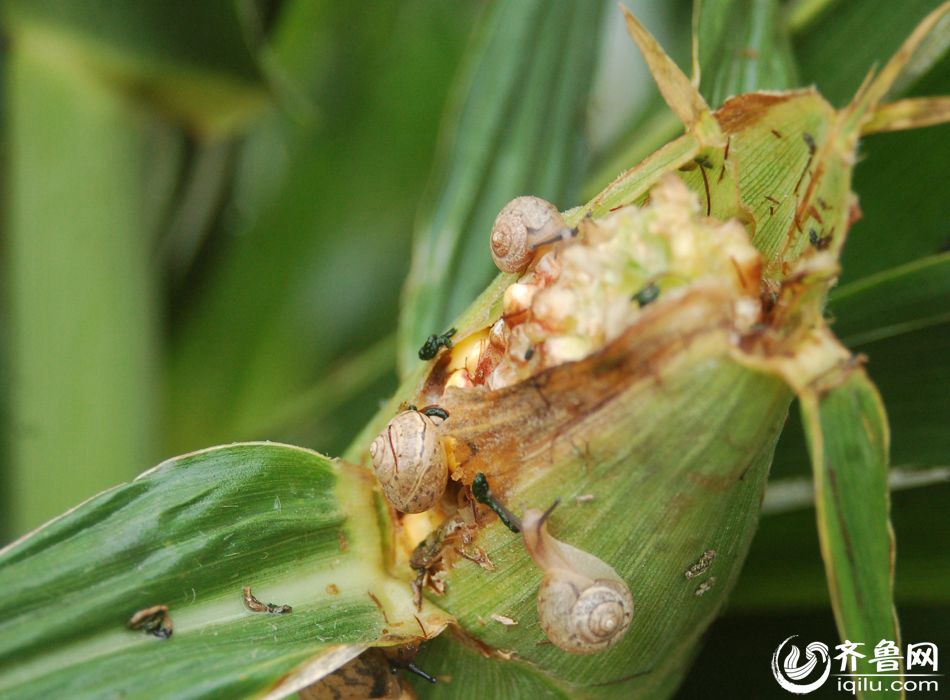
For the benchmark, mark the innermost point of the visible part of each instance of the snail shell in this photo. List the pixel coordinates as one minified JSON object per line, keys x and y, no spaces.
{"x":524,"y":224}
{"x":583,"y":605}
{"x":584,"y":620}
{"x":410,"y":463}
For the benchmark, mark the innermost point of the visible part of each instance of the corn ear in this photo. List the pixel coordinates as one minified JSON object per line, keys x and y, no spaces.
{"x":668,"y":463}
{"x":658,"y":440}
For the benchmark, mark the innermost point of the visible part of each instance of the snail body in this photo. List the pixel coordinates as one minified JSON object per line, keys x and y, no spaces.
{"x":584,"y":607}
{"x":409,"y":460}
{"x":525,"y":224}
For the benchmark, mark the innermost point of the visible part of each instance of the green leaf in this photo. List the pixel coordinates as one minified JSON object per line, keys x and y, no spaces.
{"x":517,"y":128}
{"x":882,"y":26}
{"x":743,"y":46}
{"x":312,"y":255}
{"x":848,"y":440}
{"x":192,"y":59}
{"x":899,"y":320}
{"x":912,"y":374}
{"x":190,"y":534}
{"x":81,"y":306}
{"x":783,"y":572}
{"x":901,"y":300}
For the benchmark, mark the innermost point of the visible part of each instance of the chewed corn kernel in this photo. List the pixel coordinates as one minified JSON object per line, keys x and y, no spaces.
{"x":518,"y":298}
{"x":588,"y":291}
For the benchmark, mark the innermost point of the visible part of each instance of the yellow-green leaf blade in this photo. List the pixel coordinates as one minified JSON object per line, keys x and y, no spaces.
{"x":848,"y":439}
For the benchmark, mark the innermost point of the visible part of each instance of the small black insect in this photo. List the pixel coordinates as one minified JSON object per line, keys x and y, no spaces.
{"x":483,"y":495}
{"x":434,"y":342}
{"x":430,"y":411}
{"x":809,"y":142}
{"x":819,"y":242}
{"x":647,"y":294}
{"x":412,"y":668}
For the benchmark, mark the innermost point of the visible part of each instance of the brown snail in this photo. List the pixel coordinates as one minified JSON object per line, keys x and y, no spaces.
{"x":409,"y":459}
{"x":525,"y":224}
{"x":583,"y":605}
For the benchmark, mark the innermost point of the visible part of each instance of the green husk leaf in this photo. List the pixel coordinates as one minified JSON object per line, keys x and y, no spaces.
{"x":678,"y":91}
{"x":517,"y":128}
{"x":190,"y":534}
{"x":911,"y":113}
{"x":924,"y":47}
{"x":652,"y":448}
{"x":848,"y":439}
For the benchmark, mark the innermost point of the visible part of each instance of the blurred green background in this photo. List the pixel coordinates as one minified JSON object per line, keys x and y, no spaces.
{"x":211,"y":209}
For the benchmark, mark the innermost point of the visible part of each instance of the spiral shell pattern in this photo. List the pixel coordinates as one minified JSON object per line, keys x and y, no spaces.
{"x":586,"y":620}
{"x":519,"y":228}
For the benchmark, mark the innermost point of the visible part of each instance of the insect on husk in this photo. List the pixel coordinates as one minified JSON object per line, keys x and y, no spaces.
{"x":430,"y":411}
{"x":483,"y":495}
{"x":434,"y":343}
{"x":155,"y":620}
{"x":254,"y":605}
{"x":700,"y":567}
{"x":648,"y":294}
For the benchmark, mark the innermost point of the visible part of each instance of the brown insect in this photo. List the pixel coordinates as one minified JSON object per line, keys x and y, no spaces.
{"x":155,"y":620}
{"x":254,"y":605}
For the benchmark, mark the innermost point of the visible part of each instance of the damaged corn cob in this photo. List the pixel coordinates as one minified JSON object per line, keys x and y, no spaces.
{"x":560,"y":498}
{"x":637,"y":362}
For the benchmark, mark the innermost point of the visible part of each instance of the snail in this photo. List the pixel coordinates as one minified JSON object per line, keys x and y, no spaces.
{"x":524,"y":225}
{"x":409,"y":459}
{"x":583,"y":605}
